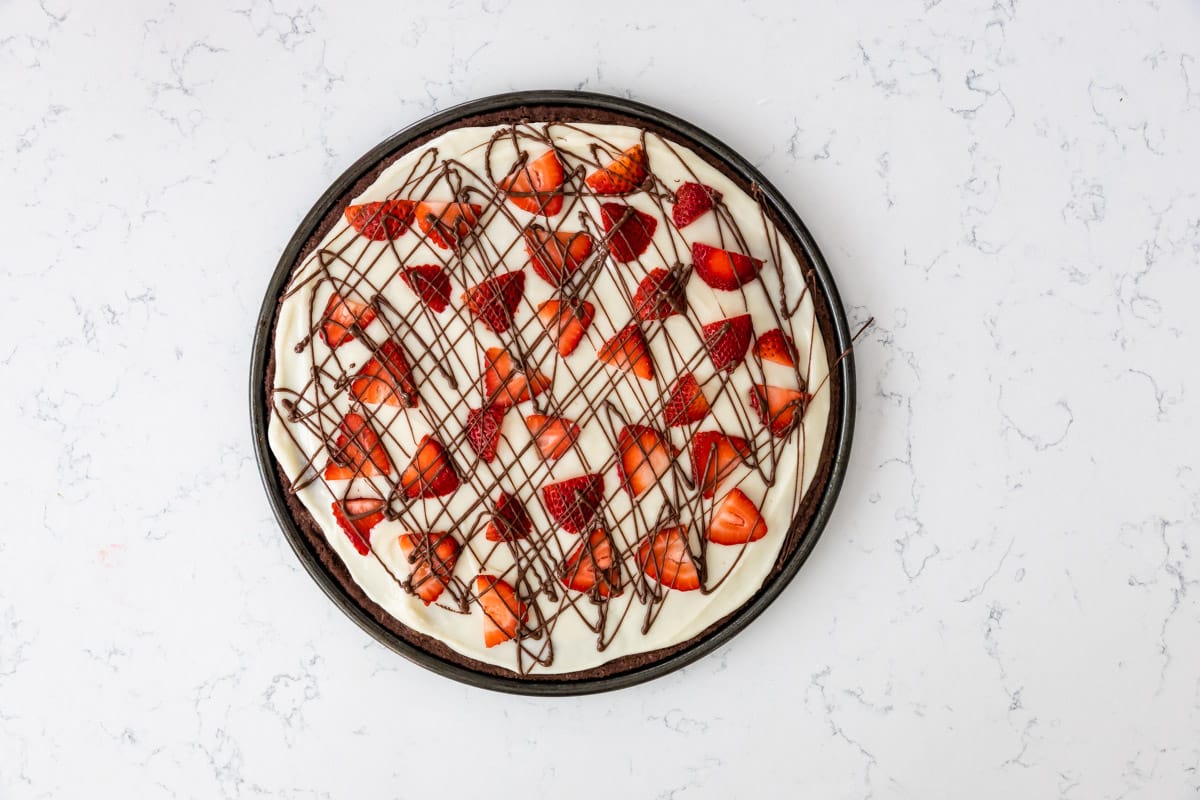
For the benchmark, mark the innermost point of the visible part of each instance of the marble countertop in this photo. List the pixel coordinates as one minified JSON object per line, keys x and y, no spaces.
{"x":1006,"y":602}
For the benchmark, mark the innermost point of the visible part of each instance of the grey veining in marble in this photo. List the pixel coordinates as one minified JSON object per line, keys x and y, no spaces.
{"x":1005,"y":603}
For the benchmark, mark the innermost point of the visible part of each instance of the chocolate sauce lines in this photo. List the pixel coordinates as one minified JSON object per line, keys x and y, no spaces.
{"x":623,"y":398}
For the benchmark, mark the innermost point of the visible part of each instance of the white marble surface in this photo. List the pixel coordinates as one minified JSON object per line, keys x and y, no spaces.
{"x":1005,"y":603}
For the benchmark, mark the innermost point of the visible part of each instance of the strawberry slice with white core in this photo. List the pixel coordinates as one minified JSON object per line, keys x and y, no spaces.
{"x":556,"y":255}
{"x":714,"y":458}
{"x":592,"y":567}
{"x":736,"y":520}
{"x":778,"y":408}
{"x":536,"y":186}
{"x":432,"y":557}
{"x":431,"y":472}
{"x":357,"y":452}
{"x":553,"y":436}
{"x":506,"y":384}
{"x":724,"y":269}
{"x":386,"y":379}
{"x":628,"y":352}
{"x":357,"y":516}
{"x":503,"y":613}
{"x":664,"y":556}
{"x":447,"y":225}
{"x":622,"y":175}
{"x":645,"y":456}
{"x":342,"y":314}
{"x":566,"y":321}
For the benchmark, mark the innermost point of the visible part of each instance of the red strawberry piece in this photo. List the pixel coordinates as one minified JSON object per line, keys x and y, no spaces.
{"x":727,"y":341}
{"x":503,"y":613}
{"x":556,"y":255}
{"x":386,"y":378}
{"x":510,"y":520}
{"x":573,"y":502}
{"x":686,"y":403}
{"x":659,"y":295}
{"x":592,"y":567}
{"x":724,"y":269}
{"x":381,"y":221}
{"x":736,"y":520}
{"x":714,"y":458}
{"x":447,"y":224}
{"x":508,"y":385}
{"x":431,"y":472}
{"x":665,"y":557}
{"x":566,"y":321}
{"x":431,"y":283}
{"x":777,"y":346}
{"x":535,"y":187}
{"x":552,"y":435}
{"x":340,"y":316}
{"x":357,"y":516}
{"x":645,"y":455}
{"x":631,"y":231}
{"x":623,"y":174}
{"x":692,"y":201}
{"x":495,"y":299}
{"x":628,"y":352}
{"x":432,"y":556}
{"x":777,"y":407}
{"x":483,"y":430}
{"x":358,"y":452}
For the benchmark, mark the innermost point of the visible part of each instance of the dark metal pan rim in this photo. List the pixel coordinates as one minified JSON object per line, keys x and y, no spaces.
{"x":842,"y":415}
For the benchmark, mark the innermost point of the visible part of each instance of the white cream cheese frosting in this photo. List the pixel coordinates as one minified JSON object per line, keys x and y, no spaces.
{"x":576,"y":631}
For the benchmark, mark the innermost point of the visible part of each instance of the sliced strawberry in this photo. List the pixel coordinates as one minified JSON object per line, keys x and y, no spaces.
{"x":495,"y":299}
{"x":665,"y":557}
{"x":659,"y":295}
{"x":556,"y":255}
{"x":692,"y":201}
{"x":631,"y":231}
{"x":503,"y":613}
{"x":645,"y":455}
{"x":736,"y":520}
{"x":777,"y":407}
{"x":686,"y":403}
{"x":506,"y":384}
{"x":777,"y":346}
{"x":714,"y":458}
{"x":535,"y":187}
{"x":510,"y":520}
{"x":447,"y":224}
{"x":573,"y":502}
{"x":431,"y":472}
{"x":432,"y":556}
{"x":724,"y":269}
{"x":552,"y":435}
{"x":386,"y":378}
{"x":357,"y":516}
{"x":566,"y":321}
{"x":431,"y":283}
{"x":358,"y":452}
{"x":381,"y":221}
{"x":340,"y":316}
{"x":483,"y":430}
{"x":624,"y":174}
{"x":727,"y":341}
{"x":628,"y":352}
{"x":592,"y":567}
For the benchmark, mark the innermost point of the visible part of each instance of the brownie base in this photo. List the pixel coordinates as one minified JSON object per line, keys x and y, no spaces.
{"x":333,"y":564}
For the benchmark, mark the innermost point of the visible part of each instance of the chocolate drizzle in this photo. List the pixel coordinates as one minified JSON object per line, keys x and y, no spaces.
{"x":448,"y":384}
